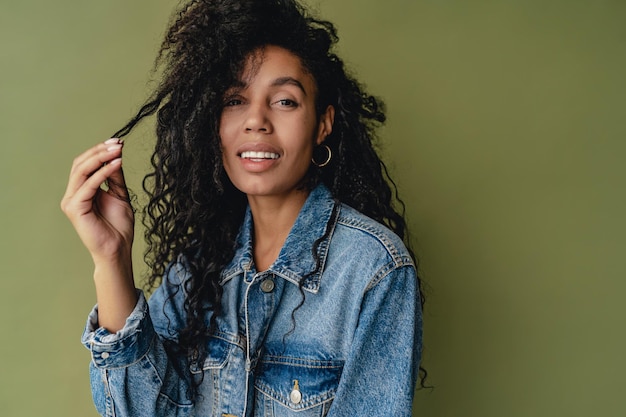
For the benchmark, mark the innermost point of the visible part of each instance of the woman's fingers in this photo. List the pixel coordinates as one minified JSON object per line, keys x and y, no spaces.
{"x":103,"y":219}
{"x":93,"y":158}
{"x":97,"y":149}
{"x":86,"y":164}
{"x":84,"y":194}
{"x":90,"y":170}
{"x":90,"y":164}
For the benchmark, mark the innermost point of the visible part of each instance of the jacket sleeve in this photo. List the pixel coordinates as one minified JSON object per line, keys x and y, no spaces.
{"x":379,"y":376}
{"x":132,"y":374}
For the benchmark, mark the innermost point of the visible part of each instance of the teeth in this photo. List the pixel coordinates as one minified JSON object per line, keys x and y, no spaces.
{"x":259,"y":155}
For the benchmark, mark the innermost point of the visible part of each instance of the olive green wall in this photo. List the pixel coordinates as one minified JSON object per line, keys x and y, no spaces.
{"x":506,"y":134}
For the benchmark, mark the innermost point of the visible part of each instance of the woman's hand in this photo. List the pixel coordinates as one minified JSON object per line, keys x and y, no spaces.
{"x":104,"y":221}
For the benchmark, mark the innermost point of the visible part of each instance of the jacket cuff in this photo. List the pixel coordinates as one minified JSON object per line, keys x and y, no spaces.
{"x":127,"y":346}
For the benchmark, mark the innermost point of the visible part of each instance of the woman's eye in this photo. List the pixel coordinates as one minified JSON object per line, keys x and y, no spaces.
{"x":232,"y":102}
{"x":287,"y":102}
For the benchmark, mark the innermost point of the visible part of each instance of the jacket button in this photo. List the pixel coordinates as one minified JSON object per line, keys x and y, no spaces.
{"x":105,"y":355}
{"x":267,"y":285}
{"x":295,"y":396}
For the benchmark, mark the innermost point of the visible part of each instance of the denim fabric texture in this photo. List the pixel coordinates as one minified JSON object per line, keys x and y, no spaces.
{"x":352,"y":348}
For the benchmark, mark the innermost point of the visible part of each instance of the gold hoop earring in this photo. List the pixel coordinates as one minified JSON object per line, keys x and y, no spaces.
{"x":328,"y":158}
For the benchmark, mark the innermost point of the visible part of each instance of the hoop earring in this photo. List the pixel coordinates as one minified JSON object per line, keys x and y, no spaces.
{"x":328,"y":158}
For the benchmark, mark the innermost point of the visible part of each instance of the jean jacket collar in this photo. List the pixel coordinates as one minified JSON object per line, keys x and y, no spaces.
{"x":295,"y":262}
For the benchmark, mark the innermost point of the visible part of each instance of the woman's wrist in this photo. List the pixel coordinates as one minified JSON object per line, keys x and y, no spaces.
{"x":115,"y":291}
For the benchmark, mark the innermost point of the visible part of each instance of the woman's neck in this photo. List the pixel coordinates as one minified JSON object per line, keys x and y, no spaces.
{"x":273,"y":218}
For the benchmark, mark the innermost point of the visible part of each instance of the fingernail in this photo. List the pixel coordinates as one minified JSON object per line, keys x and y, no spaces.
{"x":114,"y":148}
{"x":112,"y":140}
{"x":116,"y":161}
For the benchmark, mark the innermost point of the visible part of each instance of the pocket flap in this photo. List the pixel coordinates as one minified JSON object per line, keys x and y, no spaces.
{"x":313,"y":381}
{"x":218,"y":349}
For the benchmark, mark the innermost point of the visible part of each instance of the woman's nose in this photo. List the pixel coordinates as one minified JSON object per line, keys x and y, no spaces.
{"x":257,"y":120}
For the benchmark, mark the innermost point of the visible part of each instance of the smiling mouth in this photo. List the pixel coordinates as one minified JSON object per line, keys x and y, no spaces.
{"x":258,"y":155}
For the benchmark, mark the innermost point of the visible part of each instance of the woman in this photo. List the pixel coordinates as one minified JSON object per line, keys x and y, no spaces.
{"x":282,"y":293}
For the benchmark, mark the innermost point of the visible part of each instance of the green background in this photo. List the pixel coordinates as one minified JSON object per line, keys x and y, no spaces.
{"x":506,"y":132}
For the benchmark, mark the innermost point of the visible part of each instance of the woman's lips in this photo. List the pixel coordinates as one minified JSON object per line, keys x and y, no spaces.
{"x":259,"y":157}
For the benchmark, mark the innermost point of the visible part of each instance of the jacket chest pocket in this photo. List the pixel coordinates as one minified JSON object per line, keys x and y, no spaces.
{"x":287,"y":386}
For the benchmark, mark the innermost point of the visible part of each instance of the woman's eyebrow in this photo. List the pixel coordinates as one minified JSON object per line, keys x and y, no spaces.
{"x":238,"y":85}
{"x":288,"y":81}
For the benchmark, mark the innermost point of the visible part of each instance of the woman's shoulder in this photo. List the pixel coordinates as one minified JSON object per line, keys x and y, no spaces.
{"x":365,"y":236}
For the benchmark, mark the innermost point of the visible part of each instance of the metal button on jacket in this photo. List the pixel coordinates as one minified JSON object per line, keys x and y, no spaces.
{"x":296,"y":395}
{"x":267,"y":285}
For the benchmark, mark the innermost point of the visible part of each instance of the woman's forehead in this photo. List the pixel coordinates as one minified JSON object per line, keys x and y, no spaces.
{"x":274,"y":62}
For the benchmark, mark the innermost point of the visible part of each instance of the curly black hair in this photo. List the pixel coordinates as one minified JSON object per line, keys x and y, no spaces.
{"x":194,"y":211}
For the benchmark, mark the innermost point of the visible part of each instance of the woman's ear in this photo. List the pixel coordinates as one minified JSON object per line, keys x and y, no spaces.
{"x":326,"y":124}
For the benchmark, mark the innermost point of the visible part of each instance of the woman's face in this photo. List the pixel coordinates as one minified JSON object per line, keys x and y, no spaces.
{"x":269,"y":125}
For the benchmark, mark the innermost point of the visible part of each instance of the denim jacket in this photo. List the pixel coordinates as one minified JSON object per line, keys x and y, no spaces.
{"x":342,"y":341}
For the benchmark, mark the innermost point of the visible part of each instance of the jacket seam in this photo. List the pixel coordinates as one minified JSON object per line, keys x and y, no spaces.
{"x":383,"y":273}
{"x":399,"y":259}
